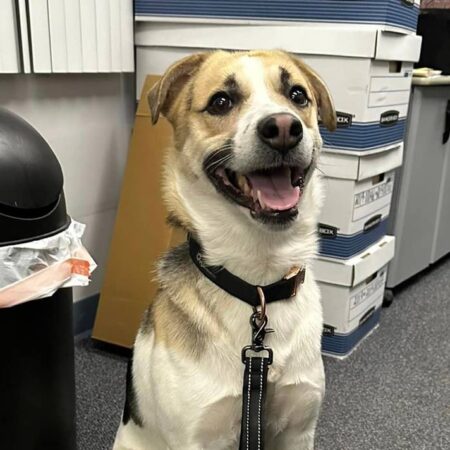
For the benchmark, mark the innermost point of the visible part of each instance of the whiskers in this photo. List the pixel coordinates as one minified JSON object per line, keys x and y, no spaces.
{"x":219,"y":157}
{"x":321,"y":171}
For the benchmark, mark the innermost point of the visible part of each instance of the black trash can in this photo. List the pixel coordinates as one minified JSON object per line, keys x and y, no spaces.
{"x":37,"y":382}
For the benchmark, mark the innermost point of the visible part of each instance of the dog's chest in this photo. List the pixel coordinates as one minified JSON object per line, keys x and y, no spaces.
{"x":210,"y":386}
{"x":285,"y":406}
{"x":294,"y":393}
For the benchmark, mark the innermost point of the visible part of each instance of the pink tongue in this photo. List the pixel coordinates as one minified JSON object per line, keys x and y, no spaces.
{"x":276,"y":189}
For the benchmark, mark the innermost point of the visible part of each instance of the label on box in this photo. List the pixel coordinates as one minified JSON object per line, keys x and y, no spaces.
{"x":368,"y":296}
{"x":373,"y":194}
{"x":344,"y":120}
{"x":389,"y":118}
{"x":327,"y":231}
{"x":328,"y":330}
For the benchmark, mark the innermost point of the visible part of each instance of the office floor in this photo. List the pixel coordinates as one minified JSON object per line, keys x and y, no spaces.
{"x":392,"y":393}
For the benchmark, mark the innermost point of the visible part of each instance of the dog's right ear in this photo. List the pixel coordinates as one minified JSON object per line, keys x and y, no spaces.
{"x":163,"y":94}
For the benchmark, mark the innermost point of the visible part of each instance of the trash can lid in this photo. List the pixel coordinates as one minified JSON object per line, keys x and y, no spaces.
{"x":32,"y":203}
{"x":30,"y":174}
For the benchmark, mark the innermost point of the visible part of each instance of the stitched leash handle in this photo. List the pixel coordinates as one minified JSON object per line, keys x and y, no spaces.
{"x":257,"y":359}
{"x":253,"y":402}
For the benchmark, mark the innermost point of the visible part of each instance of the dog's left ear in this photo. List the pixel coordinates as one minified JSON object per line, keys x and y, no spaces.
{"x":322,"y":94}
{"x":163,"y":94}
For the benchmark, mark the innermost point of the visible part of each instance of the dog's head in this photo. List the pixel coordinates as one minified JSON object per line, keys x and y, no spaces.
{"x":246,"y":128}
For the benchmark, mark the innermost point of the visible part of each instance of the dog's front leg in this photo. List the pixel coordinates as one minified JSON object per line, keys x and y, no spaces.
{"x":292,"y":438}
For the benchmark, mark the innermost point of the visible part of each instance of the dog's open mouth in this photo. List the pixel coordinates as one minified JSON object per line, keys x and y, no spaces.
{"x":270,"y":194}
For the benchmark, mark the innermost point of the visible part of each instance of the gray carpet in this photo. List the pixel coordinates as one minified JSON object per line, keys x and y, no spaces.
{"x":392,"y":393}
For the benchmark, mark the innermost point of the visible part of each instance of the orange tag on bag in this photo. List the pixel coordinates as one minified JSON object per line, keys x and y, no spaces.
{"x":80,"y":267}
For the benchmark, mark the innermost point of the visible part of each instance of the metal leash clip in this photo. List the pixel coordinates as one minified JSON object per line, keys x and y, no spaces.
{"x":258,"y":322}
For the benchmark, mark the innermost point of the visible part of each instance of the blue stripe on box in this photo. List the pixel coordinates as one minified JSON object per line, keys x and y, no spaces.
{"x":342,"y":344}
{"x":391,"y":12}
{"x":362,"y":136}
{"x":344,"y":246}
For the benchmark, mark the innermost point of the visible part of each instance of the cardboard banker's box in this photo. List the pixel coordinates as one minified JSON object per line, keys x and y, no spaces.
{"x":352,"y":294}
{"x":368,"y":71}
{"x":358,"y":194}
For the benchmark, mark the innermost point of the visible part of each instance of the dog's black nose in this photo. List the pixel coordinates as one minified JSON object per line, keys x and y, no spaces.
{"x":280,"y":131}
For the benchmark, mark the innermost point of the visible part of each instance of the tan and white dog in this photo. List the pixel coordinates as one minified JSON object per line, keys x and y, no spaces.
{"x":241,"y":178}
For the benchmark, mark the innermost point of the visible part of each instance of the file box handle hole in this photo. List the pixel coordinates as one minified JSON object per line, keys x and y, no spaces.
{"x":367,"y":315}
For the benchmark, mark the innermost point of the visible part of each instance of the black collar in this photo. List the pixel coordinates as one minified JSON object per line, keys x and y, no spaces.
{"x":280,"y":290}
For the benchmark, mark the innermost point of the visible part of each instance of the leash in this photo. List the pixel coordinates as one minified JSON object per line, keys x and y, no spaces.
{"x":256,"y":357}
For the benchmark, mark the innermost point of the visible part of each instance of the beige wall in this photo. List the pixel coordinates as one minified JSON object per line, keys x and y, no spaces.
{"x":87,"y":120}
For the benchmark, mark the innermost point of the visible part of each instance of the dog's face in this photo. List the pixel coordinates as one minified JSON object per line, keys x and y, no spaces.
{"x":247,"y":124}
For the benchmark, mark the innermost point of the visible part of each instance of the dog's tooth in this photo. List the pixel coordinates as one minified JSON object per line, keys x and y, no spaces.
{"x":222,"y":174}
{"x":243,"y":184}
{"x":247,"y":188}
{"x":227,"y":181}
{"x":261,"y":201}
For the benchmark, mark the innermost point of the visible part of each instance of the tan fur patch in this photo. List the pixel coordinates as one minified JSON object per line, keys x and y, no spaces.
{"x":180,"y":317}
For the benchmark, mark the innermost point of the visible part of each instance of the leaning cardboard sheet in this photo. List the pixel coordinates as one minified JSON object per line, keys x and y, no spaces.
{"x":37,"y":269}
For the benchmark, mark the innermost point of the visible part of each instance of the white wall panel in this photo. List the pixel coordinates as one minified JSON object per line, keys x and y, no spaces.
{"x":103,"y":20}
{"x":58,"y":40}
{"x":67,"y":36}
{"x":40,"y":36}
{"x":115,"y":35}
{"x":88,"y":35}
{"x":9,"y":49}
{"x":127,"y":35}
{"x":73,"y":35}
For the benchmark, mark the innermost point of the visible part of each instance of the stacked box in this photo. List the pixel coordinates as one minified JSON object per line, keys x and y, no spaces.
{"x":371,"y":94}
{"x":373,"y":76}
{"x":352,"y":293}
{"x":357,"y":201}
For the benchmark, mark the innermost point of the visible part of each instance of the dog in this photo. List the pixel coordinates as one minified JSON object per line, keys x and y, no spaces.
{"x":241,"y":178}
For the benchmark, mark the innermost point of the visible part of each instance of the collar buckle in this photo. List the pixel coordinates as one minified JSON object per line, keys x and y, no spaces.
{"x":299,"y":274}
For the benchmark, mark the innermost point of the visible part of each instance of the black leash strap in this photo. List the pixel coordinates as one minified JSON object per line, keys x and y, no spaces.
{"x":257,"y":359}
{"x":253,"y":403}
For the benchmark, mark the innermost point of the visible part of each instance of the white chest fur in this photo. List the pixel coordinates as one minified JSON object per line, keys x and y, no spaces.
{"x":201,"y":401}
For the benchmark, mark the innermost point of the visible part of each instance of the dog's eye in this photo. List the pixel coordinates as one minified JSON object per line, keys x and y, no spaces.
{"x":219,"y":104}
{"x":298,"y":96}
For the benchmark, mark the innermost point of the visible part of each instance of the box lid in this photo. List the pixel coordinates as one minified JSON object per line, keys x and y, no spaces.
{"x":353,"y":271}
{"x":360,"y":167}
{"x":315,"y":39}
{"x":307,"y":39}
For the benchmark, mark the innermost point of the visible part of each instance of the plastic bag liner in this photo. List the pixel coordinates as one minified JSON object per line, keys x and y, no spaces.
{"x":37,"y":269}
